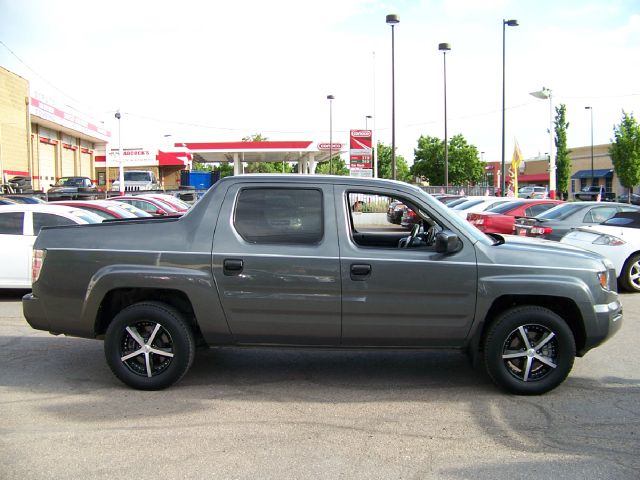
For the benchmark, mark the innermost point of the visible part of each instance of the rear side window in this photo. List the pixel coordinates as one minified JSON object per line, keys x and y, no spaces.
{"x":48,"y":220}
{"x":279,"y":215}
{"x":599,"y":214}
{"x":11,"y":223}
{"x":536,"y":210}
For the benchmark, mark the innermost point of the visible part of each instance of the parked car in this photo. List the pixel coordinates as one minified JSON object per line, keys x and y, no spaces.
{"x":7,"y":201}
{"x":557,"y":221}
{"x":106,"y":209}
{"x":449,"y":199}
{"x":24,"y":199}
{"x":500,"y":219}
{"x":150,"y":205}
{"x":532,"y":191}
{"x":19,"y":227}
{"x":479,"y":204}
{"x":617,"y":239}
{"x":72,"y":188}
{"x":624,"y":198}
{"x":175,"y":202}
{"x":136,"y":181}
{"x":592,"y":192}
{"x":395,"y":212}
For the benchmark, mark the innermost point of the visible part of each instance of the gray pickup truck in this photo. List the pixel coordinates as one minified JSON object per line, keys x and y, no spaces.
{"x":270,"y":260}
{"x":590,"y":193}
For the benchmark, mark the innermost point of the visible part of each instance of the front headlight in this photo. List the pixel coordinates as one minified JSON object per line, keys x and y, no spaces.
{"x":608,"y":240}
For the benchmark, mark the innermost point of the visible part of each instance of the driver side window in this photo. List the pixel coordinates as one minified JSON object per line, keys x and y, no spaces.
{"x":382,"y":221}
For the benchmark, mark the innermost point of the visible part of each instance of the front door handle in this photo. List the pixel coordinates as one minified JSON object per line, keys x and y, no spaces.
{"x":232,"y":266}
{"x":360,"y":271}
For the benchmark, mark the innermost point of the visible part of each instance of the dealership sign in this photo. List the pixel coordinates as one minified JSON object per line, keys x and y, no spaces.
{"x":361,"y":153}
{"x":133,"y":156}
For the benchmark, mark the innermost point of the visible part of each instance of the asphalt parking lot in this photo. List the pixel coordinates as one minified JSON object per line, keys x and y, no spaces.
{"x":264,"y":414}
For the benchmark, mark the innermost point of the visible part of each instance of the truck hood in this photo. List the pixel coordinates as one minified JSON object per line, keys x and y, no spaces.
{"x":548,"y":253}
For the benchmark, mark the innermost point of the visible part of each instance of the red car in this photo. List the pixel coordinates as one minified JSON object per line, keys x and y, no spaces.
{"x":500,"y":219}
{"x":150,"y":205}
{"x":107,"y":210}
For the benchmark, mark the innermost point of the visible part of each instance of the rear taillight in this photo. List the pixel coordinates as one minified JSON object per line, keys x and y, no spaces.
{"x":36,"y":264}
{"x":411,"y":213}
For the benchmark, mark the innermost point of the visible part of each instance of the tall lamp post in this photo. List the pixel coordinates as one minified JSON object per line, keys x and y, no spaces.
{"x":505,"y":24}
{"x":121,"y":168}
{"x":330,"y":98}
{"x":545,"y":94}
{"x":444,"y":48}
{"x":393,"y":20}
{"x":591,"y":109}
{"x":366,"y":122}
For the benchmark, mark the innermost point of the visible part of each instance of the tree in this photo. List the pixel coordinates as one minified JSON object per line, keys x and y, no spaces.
{"x":383,"y":153}
{"x":464,"y":162}
{"x":625,"y":151}
{"x":563,"y":162}
{"x":339,"y":167}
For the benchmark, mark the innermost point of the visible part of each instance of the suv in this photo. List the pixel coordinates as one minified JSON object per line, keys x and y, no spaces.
{"x":532,"y":191}
{"x":137,"y":180}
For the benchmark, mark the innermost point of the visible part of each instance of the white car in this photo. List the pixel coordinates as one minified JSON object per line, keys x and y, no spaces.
{"x":617,"y":239}
{"x":478,"y":204}
{"x":19,"y":227}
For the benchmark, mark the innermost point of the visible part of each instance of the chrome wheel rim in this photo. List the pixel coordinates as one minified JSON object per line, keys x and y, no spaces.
{"x":634,"y":275}
{"x":530,"y":352}
{"x":146,"y":348}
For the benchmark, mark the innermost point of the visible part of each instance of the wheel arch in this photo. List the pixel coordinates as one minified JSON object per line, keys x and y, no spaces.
{"x":117,"y":299}
{"x":564,"y":307}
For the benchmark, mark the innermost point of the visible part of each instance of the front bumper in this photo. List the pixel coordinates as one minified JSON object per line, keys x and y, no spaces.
{"x":608,"y":320}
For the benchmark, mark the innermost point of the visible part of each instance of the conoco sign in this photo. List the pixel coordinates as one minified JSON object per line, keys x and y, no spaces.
{"x":329,"y":146}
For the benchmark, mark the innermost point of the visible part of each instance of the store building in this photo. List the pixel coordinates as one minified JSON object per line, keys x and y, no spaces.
{"x":42,"y":139}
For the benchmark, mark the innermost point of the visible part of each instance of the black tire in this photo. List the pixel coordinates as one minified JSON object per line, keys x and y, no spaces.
{"x":630,"y":276}
{"x":150,"y":369}
{"x":506,"y":336}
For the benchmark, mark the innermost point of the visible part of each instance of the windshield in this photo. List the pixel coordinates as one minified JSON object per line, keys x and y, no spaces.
{"x":561,"y":211}
{"x":70,"y":182}
{"x":505,"y":207}
{"x":88,"y":217}
{"x":137,"y":177}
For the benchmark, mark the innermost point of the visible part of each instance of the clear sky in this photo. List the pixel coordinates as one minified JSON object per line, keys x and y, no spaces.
{"x":221,"y":70}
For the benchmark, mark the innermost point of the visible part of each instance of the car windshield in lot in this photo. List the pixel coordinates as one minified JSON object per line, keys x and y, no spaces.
{"x":561,"y":211}
{"x":136,"y":177}
{"x":505,"y":207}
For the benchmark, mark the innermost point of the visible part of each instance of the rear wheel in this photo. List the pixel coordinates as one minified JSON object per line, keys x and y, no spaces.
{"x":529,"y":350}
{"x":149,"y":346}
{"x":630,"y":276}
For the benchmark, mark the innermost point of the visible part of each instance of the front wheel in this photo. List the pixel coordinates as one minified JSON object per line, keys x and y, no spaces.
{"x":529,"y":350}
{"x":630,"y":276}
{"x":149,"y":346}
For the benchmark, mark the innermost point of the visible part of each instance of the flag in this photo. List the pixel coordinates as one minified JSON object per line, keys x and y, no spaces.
{"x":516,"y":160}
{"x":442,"y":190}
{"x":486,"y":193}
{"x":599,"y":197}
{"x":461,"y":192}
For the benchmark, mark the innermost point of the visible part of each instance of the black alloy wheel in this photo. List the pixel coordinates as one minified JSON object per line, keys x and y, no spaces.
{"x":529,"y":350}
{"x":149,"y":346}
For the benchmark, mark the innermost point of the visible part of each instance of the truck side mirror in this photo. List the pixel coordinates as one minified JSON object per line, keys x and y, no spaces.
{"x":447,"y":242}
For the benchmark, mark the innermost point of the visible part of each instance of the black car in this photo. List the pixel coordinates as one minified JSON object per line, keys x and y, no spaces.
{"x":73,"y":188}
{"x":395,"y":211}
{"x":557,"y":221}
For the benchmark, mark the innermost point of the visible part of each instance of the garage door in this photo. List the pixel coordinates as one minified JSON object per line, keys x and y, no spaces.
{"x":85,"y":165}
{"x":47,"y":163}
{"x":68,"y":162}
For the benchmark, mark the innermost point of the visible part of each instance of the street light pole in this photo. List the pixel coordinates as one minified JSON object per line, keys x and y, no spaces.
{"x":591,"y":109}
{"x":444,"y":48}
{"x":330,"y":98}
{"x":545,"y":94}
{"x":121,"y":167}
{"x":393,"y":20}
{"x":366,"y":122}
{"x":505,"y":23}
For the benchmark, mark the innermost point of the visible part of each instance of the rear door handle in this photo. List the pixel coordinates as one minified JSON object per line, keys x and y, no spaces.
{"x":232,"y":266}
{"x":360,"y":271}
